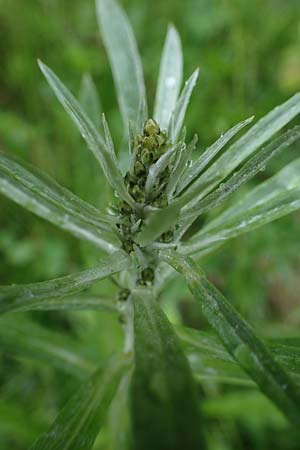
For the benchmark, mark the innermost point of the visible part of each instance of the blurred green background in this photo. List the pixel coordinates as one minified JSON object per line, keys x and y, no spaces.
{"x":249,"y":59}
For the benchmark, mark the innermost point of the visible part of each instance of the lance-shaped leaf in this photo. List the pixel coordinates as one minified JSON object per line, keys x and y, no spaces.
{"x":78,"y":424}
{"x":178,"y":114}
{"x":210,"y":360}
{"x":181,"y":167}
{"x":41,"y":195}
{"x":160,"y":221}
{"x":28,"y":339}
{"x":208,"y":155}
{"x":89,"y":99}
{"x":272,"y":199}
{"x":124,"y":58}
{"x":20,"y":297}
{"x":162,"y":384}
{"x":157,"y":168}
{"x":106,"y":158}
{"x":240,"y":340}
{"x":260,"y":133}
{"x":169,"y":79}
{"x":248,"y":171}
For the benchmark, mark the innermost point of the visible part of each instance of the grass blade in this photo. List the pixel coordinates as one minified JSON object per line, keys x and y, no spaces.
{"x":89,"y":133}
{"x":20,"y":297}
{"x":169,"y":79}
{"x":157,"y":395}
{"x":79,"y":422}
{"x":178,"y":114}
{"x":124,"y":58}
{"x":41,"y":195}
{"x":239,"y":339}
{"x":207,"y":156}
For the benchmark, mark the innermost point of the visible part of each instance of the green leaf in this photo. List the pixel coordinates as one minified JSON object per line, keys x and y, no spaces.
{"x":181,"y":166}
{"x":239,"y":339}
{"x":79,"y":422}
{"x":248,"y":171}
{"x":124,"y":58}
{"x":90,"y":134}
{"x":89,"y":99}
{"x":162,"y":384}
{"x":260,"y":133}
{"x":169,"y":79}
{"x":210,"y":360}
{"x":178,"y":114}
{"x":207,"y":156}
{"x":23,"y":297}
{"x":24,"y":337}
{"x":272,"y":199}
{"x":156,"y":168}
{"x":41,"y":195}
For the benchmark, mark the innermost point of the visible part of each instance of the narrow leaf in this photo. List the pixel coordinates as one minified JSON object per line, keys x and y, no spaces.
{"x":89,"y":99}
{"x":124,"y":58}
{"x":41,"y":195}
{"x":207,"y":156}
{"x":239,"y":339}
{"x":178,"y":114}
{"x":248,"y":171}
{"x":156,"y":168}
{"x":169,"y":79}
{"x":258,"y":135}
{"x":181,"y":166}
{"x":28,"y":339}
{"x":79,"y":422}
{"x":19,"y":297}
{"x":89,"y":133}
{"x":162,"y":384}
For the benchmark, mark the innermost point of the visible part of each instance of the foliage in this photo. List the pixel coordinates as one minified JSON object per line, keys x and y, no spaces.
{"x":146,"y":395}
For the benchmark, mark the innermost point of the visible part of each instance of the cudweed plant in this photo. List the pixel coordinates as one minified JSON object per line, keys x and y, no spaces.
{"x":160,"y":194}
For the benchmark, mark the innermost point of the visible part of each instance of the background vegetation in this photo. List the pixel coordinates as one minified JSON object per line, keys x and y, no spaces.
{"x":248,"y":54}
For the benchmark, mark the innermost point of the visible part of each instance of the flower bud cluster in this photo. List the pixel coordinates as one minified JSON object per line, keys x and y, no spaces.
{"x":147,"y":149}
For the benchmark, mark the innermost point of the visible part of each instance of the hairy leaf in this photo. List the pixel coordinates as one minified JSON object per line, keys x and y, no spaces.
{"x":124,"y":58}
{"x":239,"y":339}
{"x":106,"y":158}
{"x":78,"y":424}
{"x":178,"y":114}
{"x":162,"y":384}
{"x":41,"y":195}
{"x":169,"y":80}
{"x":20,"y":297}
{"x":89,"y":99}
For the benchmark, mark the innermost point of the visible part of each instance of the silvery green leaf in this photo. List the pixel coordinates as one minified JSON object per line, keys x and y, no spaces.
{"x":169,"y":79}
{"x":239,"y":339}
{"x":89,"y":133}
{"x":259,"y":134}
{"x":207,"y":156}
{"x":89,"y":99}
{"x":30,"y":340}
{"x":248,"y":171}
{"x":124,"y":58}
{"x":156,"y":168}
{"x":157,"y":222}
{"x":19,"y":297}
{"x":181,"y":166}
{"x":209,"y":358}
{"x":80,"y":302}
{"x":161,"y":384}
{"x":41,"y":195}
{"x":178,"y":114}
{"x":78,"y":423}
